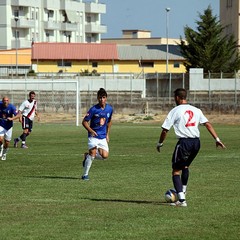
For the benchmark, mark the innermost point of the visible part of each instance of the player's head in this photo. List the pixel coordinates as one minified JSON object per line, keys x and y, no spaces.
{"x":5,"y":101}
{"x":101,"y":93}
{"x":31,"y":95}
{"x":102,"y":97}
{"x":180,"y":95}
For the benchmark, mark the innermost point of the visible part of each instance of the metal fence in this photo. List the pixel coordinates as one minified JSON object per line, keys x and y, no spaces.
{"x":128,"y":94}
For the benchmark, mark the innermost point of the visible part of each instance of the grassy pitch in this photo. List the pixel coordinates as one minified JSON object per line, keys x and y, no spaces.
{"x":42,"y":196}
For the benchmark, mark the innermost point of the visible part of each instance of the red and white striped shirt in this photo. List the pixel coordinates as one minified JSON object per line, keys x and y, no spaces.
{"x":28,"y":109}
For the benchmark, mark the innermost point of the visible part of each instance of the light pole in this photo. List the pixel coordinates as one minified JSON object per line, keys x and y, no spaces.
{"x":167,"y":23}
{"x":16,"y":40}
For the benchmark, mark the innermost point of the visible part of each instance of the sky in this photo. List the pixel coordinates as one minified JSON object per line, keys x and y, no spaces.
{"x":151,"y":15}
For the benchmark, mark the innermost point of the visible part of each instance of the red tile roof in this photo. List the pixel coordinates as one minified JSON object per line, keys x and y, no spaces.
{"x":74,"y":51}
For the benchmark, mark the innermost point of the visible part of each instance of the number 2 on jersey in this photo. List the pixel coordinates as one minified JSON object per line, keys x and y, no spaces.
{"x":190,"y":121}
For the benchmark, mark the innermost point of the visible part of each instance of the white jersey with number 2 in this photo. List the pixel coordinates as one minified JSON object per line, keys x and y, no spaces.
{"x":185,"y":119}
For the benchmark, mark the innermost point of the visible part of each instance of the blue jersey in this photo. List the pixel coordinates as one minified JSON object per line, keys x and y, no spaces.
{"x":99,"y":119}
{"x":6,"y":112}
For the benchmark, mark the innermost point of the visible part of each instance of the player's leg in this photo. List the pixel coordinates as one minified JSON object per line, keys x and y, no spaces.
{"x":2,"y":131}
{"x":102,"y":150}
{"x":87,"y":162}
{"x":23,"y":136}
{"x":8,"y":137}
{"x":178,"y":163}
{"x":89,"y":157}
{"x":184,"y":178}
{"x":193,"y":149}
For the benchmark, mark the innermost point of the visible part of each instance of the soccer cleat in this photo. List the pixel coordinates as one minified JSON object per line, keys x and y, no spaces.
{"x":179,"y":204}
{"x":85,"y":178}
{"x":15,"y":142}
{"x":24,"y":146}
{"x":4,"y":157}
{"x":84,"y":160}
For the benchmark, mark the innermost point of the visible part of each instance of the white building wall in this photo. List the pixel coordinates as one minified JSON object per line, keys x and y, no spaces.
{"x":198,"y":83}
{"x":44,"y":21}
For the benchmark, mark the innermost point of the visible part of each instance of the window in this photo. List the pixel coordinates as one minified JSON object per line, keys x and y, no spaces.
{"x":95,"y":64}
{"x":229,"y":3}
{"x":176,"y":65}
{"x":16,"y":13}
{"x":146,"y":64}
{"x":64,"y":64}
{"x":88,"y":19}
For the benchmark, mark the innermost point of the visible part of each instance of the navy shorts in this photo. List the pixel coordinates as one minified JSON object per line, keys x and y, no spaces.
{"x":185,"y":151}
{"x":27,"y":123}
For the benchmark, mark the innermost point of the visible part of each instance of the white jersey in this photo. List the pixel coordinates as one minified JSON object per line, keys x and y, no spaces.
{"x":28,"y":109}
{"x":185,"y":120}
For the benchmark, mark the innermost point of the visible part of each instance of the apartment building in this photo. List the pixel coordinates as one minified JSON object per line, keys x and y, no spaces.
{"x":230,"y":17}
{"x":23,"y":22}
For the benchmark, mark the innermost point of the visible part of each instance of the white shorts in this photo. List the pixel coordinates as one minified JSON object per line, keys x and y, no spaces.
{"x":99,"y":143}
{"x":6,"y":133}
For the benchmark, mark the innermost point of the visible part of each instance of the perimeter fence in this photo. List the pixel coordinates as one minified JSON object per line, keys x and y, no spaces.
{"x":149,"y":94}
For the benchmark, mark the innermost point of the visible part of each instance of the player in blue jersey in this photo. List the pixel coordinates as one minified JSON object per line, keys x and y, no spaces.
{"x":7,"y":111}
{"x":97,"y":122}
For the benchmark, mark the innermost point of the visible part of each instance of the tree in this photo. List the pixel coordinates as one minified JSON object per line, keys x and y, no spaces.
{"x":208,"y":48}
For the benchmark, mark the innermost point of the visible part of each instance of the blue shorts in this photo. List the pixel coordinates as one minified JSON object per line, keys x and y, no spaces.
{"x":185,"y":151}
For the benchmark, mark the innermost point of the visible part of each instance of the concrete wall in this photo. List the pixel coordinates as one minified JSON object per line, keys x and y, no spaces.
{"x":198,"y":83}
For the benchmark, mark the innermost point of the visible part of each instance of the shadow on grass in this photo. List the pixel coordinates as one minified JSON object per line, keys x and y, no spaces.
{"x":127,"y":201}
{"x":52,"y":177}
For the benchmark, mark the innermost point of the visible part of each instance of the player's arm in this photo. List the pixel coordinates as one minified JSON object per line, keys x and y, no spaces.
{"x":37,"y":115}
{"x":108,"y":130}
{"x":88,"y":128}
{"x":211,"y":130}
{"x":162,"y":137}
{"x":17,"y":116}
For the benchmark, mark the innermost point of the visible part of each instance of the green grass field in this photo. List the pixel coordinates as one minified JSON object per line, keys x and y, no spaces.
{"x":42,"y":196}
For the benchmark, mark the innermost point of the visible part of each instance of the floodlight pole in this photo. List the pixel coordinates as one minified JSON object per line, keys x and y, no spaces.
{"x":167,"y":23}
{"x":16,"y":44}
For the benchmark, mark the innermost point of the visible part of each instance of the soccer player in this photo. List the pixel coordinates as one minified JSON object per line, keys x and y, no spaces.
{"x":7,"y":110}
{"x":97,"y":122}
{"x":26,"y":114}
{"x":185,"y":120}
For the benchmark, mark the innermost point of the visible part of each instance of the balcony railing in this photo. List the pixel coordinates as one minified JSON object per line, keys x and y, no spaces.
{"x":52,"y":25}
{"x":69,"y":26}
{"x":95,"y":28}
{"x":23,"y":23}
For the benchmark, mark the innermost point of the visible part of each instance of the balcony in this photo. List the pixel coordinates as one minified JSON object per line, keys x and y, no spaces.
{"x":69,"y":27}
{"x":52,"y":25}
{"x":51,"y":4}
{"x":21,"y":43}
{"x":25,"y":3}
{"x":23,"y":23}
{"x":95,"y":28}
{"x":95,"y":8}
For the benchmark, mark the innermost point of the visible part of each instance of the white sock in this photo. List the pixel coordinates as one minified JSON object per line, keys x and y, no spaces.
{"x":181,"y":195}
{"x":87,"y":165}
{"x":1,"y":150}
{"x":184,"y":188}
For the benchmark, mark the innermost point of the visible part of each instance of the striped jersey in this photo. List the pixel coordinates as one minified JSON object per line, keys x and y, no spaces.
{"x":28,"y":109}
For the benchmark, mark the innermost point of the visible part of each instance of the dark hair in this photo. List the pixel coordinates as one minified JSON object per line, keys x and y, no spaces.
{"x":101,"y":92}
{"x":30,"y":93}
{"x":181,"y":93}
